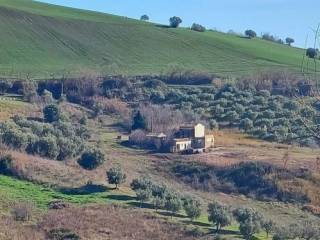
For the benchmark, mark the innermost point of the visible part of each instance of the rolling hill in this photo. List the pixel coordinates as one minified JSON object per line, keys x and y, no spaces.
{"x":42,"y":39}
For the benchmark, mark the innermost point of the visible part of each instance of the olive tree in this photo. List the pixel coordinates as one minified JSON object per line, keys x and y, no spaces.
{"x":116,"y":176}
{"x":219,"y":215}
{"x":192,"y":207}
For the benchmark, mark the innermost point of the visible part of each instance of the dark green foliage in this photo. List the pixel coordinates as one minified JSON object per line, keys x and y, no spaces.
{"x":289,"y":41}
{"x":250,"y":33}
{"x":198,"y":28}
{"x":91,"y":159}
{"x":116,"y":176}
{"x":311,"y":53}
{"x":6,"y":165}
{"x":62,"y":234}
{"x":175,"y":21}
{"x":219,"y":215}
{"x":138,"y":122}
{"x":51,"y":113}
{"x":144,"y":17}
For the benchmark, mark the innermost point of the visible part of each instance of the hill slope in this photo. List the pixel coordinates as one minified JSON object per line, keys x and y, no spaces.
{"x":43,"y":39}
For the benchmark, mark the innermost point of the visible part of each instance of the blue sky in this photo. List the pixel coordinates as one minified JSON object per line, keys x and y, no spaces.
{"x":294,"y":18}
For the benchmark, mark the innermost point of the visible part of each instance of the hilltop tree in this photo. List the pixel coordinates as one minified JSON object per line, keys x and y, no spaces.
{"x":144,"y":17}
{"x":311,"y":53}
{"x":219,"y":215}
{"x":51,"y":113}
{"x":289,"y":41}
{"x":175,"y":21}
{"x":198,"y":28}
{"x":116,"y":176}
{"x":138,"y":122}
{"x":250,"y":33}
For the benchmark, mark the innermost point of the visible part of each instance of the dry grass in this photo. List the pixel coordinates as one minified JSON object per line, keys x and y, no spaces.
{"x":233,"y":147}
{"x":11,"y":107}
{"x":55,"y":173}
{"x":111,"y":222}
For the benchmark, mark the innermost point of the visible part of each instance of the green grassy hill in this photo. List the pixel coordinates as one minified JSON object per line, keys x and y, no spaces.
{"x":42,"y":39}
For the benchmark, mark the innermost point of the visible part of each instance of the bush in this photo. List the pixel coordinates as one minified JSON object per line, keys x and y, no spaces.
{"x":51,"y":113}
{"x":198,"y":28}
{"x":175,"y":21}
{"x":116,"y":176}
{"x":91,"y":159}
{"x":6,"y":165}
{"x":312,"y":53}
{"x":62,"y":234}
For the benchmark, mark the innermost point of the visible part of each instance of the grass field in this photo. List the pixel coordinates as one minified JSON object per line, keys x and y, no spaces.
{"x":40,"y":40}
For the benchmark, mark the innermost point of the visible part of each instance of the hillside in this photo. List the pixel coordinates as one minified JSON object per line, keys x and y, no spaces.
{"x":41,"y":39}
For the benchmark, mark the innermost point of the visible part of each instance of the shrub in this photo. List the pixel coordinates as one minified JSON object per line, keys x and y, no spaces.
{"x":62,"y":234}
{"x":6,"y":164}
{"x":51,"y":113}
{"x":219,"y":215}
{"x":141,"y":183}
{"x":47,"y":147}
{"x":116,"y":176}
{"x":91,"y":159}
{"x":250,"y":33}
{"x":175,"y":21}
{"x":312,"y":53}
{"x":198,"y":28}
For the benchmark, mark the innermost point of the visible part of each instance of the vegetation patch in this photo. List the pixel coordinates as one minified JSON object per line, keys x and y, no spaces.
{"x":258,"y":180}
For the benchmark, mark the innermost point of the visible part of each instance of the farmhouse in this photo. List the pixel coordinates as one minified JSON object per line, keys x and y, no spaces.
{"x":192,"y":138}
{"x":189,"y":138}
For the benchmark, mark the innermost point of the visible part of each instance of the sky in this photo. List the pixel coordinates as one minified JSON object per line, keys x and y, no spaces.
{"x":283,"y":18}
